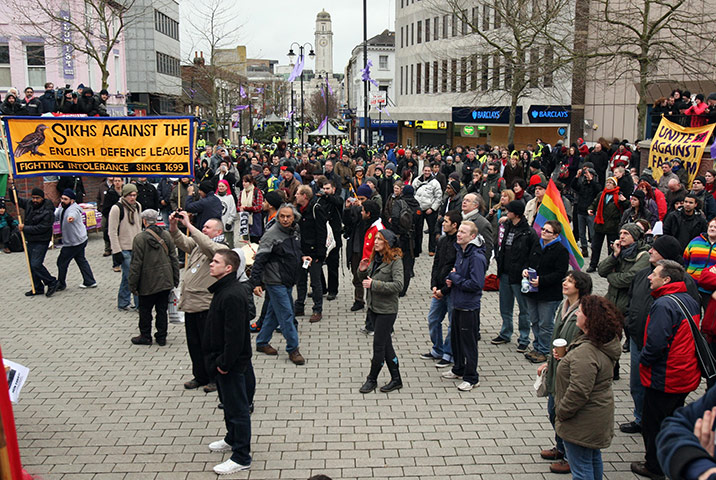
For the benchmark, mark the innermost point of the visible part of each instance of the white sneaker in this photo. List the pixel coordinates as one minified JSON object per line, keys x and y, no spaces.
{"x":229,"y":467}
{"x":219,"y":446}
{"x":94,"y":285}
{"x":467,"y":386}
{"x":449,"y":375}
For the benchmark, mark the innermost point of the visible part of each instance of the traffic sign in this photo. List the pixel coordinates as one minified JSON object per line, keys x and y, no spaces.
{"x":378,"y":98}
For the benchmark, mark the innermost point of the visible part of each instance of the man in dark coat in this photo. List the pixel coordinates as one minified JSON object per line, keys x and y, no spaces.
{"x":686,"y":223}
{"x":206,"y":206}
{"x":87,"y":103}
{"x":313,"y":246}
{"x":49,"y":99}
{"x":31,"y":104}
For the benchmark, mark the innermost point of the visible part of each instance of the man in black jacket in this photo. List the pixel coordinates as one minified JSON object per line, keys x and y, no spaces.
{"x":664,"y":247}
{"x":31,"y":104}
{"x":87,"y":103}
{"x":329,"y":198}
{"x":227,"y":344}
{"x":49,"y":99}
{"x":687,"y":222}
{"x":37,"y":226}
{"x":512,"y":259}
{"x":587,"y":187}
{"x":147,"y":194}
{"x":313,"y":244}
{"x":443,"y":263}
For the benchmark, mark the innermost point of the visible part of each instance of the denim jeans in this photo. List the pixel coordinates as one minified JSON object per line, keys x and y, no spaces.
{"x":76,"y":253}
{"x":585,"y":463}
{"x":508,"y":293}
{"x":584,"y":223}
{"x":40,"y":275}
{"x":124,"y":297}
{"x":315,"y":270}
{"x":438,"y":309}
{"x":279,"y":314}
{"x":635,"y":386}
{"x":552,"y":417}
{"x":236,"y":391}
{"x":542,"y":321}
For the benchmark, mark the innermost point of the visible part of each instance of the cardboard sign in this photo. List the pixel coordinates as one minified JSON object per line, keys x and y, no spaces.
{"x":674,"y":141}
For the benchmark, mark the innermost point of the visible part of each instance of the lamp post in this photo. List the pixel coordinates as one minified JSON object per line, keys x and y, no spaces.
{"x":291,"y":56}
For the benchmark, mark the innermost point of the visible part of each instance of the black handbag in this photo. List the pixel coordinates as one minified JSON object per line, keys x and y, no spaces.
{"x":707,"y":364}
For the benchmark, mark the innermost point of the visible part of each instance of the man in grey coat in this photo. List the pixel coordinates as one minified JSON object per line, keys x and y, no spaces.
{"x":74,"y":241}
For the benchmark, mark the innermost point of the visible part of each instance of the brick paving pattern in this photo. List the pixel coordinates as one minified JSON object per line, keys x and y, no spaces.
{"x":97,"y":407}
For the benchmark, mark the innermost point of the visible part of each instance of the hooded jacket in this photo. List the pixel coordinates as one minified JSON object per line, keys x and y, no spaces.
{"x":87,"y":103}
{"x":684,"y":227}
{"x":7,"y":108}
{"x":313,"y":229}
{"x":484,"y":228}
{"x":514,"y":253}
{"x":699,"y":255}
{"x":382,"y":296}
{"x":38,"y":220}
{"x":205,"y":208}
{"x":73,"y":233}
{"x":468,"y":279}
{"x":551,"y":263}
{"x":428,"y":193}
{"x":278,"y":257}
{"x":620,"y":271}
{"x":443,"y":262}
{"x":668,"y":359}
{"x":153,"y":269}
{"x":584,"y":399}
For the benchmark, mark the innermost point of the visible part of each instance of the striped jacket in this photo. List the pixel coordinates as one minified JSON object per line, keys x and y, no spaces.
{"x":699,"y":255}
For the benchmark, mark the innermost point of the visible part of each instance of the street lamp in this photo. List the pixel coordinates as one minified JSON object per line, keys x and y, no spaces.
{"x":291,"y":57}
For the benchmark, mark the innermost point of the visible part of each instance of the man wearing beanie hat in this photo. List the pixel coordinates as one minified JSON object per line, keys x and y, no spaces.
{"x":37,"y":227}
{"x":708,"y":204}
{"x":124,"y":224}
{"x":386,"y":183}
{"x":206,"y":206}
{"x":289,"y":184}
{"x":74,"y":241}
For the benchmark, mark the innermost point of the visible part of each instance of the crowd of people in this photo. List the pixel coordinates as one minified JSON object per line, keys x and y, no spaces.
{"x":61,"y":100}
{"x":300,"y":208}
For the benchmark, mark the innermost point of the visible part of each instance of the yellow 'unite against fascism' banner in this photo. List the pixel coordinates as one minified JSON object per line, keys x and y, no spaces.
{"x":674,"y":141}
{"x":130,"y":146}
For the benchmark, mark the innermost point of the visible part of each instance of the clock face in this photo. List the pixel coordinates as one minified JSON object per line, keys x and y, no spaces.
{"x":323,"y":42}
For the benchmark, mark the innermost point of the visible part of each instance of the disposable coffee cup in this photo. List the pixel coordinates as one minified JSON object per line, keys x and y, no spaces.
{"x":560,"y":345}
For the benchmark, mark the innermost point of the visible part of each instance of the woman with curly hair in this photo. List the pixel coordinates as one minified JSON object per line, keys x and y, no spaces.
{"x":584,"y":400}
{"x":382,"y":277}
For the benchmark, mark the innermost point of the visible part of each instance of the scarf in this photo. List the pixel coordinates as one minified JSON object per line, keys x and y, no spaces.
{"x":518,"y":196}
{"x":220,"y":238}
{"x":247,"y":200}
{"x":599,"y":219}
{"x":228,"y":187}
{"x":131,"y":210}
{"x":629,"y":251}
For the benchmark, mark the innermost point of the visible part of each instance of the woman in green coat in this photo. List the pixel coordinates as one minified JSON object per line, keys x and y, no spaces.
{"x":584,"y":399}
{"x":574,"y":286}
{"x":382,"y":277}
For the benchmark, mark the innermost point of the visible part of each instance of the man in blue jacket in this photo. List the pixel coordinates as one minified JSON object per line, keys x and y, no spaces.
{"x":465,"y":282}
{"x":207,"y":207}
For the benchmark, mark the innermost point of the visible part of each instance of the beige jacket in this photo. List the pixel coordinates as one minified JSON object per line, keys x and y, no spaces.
{"x":195,"y":296}
{"x":121,"y":238}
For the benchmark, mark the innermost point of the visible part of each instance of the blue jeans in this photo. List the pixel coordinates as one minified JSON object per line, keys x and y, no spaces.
{"x":635,"y":386}
{"x":124,"y":297}
{"x":542,"y":321}
{"x":236,"y":391}
{"x":438,"y":309}
{"x":552,"y":416}
{"x":585,"y":222}
{"x":585,"y":463}
{"x":508,"y":293}
{"x":36,"y":252}
{"x":279,"y":313}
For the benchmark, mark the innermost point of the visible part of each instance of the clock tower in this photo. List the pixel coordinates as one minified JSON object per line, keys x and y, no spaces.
{"x":324,"y":44}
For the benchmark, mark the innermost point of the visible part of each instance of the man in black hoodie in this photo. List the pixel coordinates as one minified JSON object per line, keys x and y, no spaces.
{"x":87,"y":103}
{"x":37,"y":226}
{"x":227,"y":344}
{"x":49,"y":99}
{"x":10,"y":106}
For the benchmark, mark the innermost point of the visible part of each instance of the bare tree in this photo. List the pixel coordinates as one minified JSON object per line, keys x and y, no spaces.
{"x":322,"y":104}
{"x":653,"y":40}
{"x":93,"y":28}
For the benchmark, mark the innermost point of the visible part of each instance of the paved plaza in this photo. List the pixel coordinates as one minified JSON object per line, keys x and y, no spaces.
{"x":97,"y":407}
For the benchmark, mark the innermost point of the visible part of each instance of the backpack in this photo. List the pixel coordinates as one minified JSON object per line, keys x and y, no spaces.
{"x":405,"y":217}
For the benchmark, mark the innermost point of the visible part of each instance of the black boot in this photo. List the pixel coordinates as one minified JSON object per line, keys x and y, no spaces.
{"x":369,"y":385}
{"x":394,"y":384}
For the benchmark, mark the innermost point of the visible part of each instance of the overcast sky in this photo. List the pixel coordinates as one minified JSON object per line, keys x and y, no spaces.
{"x":269,"y":26}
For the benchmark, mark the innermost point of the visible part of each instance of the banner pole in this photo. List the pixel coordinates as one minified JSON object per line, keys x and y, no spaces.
{"x":22,"y":235}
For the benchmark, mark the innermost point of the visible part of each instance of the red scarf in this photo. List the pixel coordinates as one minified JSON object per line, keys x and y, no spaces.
{"x":518,"y":196}
{"x":614,"y":192}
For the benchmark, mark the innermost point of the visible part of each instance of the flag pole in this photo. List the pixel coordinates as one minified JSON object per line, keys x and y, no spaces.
{"x":22,"y":235}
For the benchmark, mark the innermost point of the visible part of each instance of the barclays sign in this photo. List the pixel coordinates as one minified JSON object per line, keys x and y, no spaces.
{"x":485,"y":115}
{"x":549,"y":114}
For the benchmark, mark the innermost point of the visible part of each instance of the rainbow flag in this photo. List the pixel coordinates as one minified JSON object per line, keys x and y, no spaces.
{"x":552,"y":208}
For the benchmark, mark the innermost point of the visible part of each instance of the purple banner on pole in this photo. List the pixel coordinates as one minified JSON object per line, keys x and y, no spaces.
{"x":68,"y":62}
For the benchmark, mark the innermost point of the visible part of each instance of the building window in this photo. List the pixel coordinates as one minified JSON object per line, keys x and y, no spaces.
{"x":412,"y":34}
{"x":5,"y":78}
{"x":383,"y":62}
{"x":427,"y":30}
{"x":485,"y":17}
{"x":465,"y":22}
{"x":455,"y":23}
{"x":412,"y":78}
{"x":549,"y":67}
{"x":485,"y":72}
{"x":453,"y":78}
{"x":35,"y":65}
{"x":401,"y":37}
{"x":498,"y":20}
{"x":463,"y":74}
{"x":401,"y":79}
{"x":435,"y":76}
{"x":445,"y":26}
{"x":436,"y":28}
{"x":418,"y":78}
{"x":496,"y":72}
{"x":475,"y":12}
{"x":168,"y":65}
{"x":420,"y":31}
{"x":473,"y":73}
{"x":427,"y":77}
{"x":534,"y":68}
{"x":166,"y":25}
{"x":445,"y":76}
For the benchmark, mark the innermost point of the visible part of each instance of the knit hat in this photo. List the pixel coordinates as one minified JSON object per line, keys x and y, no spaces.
{"x":68,"y":192}
{"x":701,"y":179}
{"x":359,"y":167}
{"x":401,"y":152}
{"x":712,"y":96}
{"x":206,"y":186}
{"x":668,"y":247}
{"x":632,"y":229}
{"x":700,"y":96}
{"x":516,"y":207}
{"x":372,"y":180}
{"x":541,"y":184}
{"x":535,"y":164}
{"x":273,"y":199}
{"x":389,"y":237}
{"x":390,"y":166}
{"x":408,"y":190}
{"x":256,"y":167}
{"x":38,"y":192}
{"x":613,"y":179}
{"x":104,"y":92}
{"x":640,"y":195}
{"x":129,"y":188}
{"x":364,"y":191}
{"x":455,"y":185}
